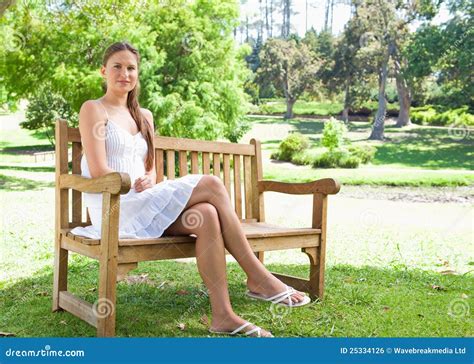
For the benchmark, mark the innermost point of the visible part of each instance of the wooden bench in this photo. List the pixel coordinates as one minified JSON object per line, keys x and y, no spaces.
{"x":243,"y":179}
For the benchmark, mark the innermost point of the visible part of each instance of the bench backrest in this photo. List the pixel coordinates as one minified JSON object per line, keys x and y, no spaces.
{"x":238,"y":165}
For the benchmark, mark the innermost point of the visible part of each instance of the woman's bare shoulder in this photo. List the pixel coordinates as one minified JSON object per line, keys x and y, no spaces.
{"x":91,"y":110}
{"x":147,"y":114}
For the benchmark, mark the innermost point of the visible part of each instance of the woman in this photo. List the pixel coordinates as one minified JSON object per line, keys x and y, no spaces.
{"x":117,"y":135}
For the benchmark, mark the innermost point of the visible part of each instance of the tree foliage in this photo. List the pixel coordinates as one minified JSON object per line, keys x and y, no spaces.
{"x":191,"y":72}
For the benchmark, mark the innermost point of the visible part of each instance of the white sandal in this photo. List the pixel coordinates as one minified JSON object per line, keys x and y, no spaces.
{"x":238,"y":330}
{"x":278,"y":298}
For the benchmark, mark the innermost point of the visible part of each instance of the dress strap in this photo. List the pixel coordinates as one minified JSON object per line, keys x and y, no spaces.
{"x":103,"y":107}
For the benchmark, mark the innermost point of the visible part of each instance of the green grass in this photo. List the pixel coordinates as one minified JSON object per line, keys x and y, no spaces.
{"x":301,"y":107}
{"x":359,"y":302}
{"x":18,"y":146}
{"x":390,"y":288}
{"x":373,"y":176}
{"x":411,"y":156}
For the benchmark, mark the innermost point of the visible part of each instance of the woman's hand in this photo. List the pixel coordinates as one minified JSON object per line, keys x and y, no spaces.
{"x":142,"y":183}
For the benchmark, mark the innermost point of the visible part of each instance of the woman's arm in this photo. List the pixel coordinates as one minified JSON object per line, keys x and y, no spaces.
{"x":92,"y":128}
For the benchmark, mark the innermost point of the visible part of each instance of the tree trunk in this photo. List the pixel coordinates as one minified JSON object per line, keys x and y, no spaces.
{"x":404,"y":97}
{"x":267,"y":24}
{"x":271,"y":18}
{"x":379,"y":122}
{"x":347,"y":102}
{"x":290,"y":102}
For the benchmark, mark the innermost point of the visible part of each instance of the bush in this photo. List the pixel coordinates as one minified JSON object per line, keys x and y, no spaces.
{"x":336,"y":158}
{"x":293,"y":143}
{"x":44,"y":109}
{"x":365,"y":153}
{"x":436,"y":115}
{"x":333,"y":134}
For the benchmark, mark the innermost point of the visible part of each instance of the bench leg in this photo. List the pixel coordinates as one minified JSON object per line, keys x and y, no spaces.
{"x":316,"y":272}
{"x":260,"y":256}
{"x":60,"y":274}
{"x":105,"y":307}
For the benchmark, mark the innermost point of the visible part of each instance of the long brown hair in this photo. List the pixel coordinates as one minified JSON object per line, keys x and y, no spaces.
{"x":132,"y":101}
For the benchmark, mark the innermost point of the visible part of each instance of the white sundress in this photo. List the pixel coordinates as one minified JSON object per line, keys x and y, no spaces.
{"x":145,"y":214}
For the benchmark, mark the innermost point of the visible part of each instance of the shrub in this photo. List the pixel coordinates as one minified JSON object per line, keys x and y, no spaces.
{"x":365,"y":153}
{"x":293,"y":143}
{"x":44,"y":109}
{"x":333,"y":134}
{"x":336,"y":158}
{"x":435,"y":115}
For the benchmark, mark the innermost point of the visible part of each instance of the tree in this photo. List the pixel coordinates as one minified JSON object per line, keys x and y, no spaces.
{"x":191,"y":73}
{"x":290,"y":66}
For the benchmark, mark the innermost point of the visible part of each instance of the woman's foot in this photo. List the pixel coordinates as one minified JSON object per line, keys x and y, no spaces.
{"x":272,"y":286}
{"x":231,"y":322}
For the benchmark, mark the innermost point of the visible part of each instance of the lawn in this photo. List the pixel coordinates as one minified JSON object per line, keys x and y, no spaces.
{"x":388,"y":273}
{"x":411,"y":156}
{"x":382,"y":280}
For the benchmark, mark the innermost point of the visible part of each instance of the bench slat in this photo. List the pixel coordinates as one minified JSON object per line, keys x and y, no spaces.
{"x":170,"y":164}
{"x":159,"y":165}
{"x":226,"y":166}
{"x":216,"y":164}
{"x":206,"y":167}
{"x":237,"y":187}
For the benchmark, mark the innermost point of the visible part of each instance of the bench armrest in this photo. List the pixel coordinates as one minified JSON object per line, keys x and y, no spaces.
{"x":326,"y":186}
{"x":115,"y":183}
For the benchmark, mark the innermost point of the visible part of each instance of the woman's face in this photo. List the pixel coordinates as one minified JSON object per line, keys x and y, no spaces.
{"x":121,"y":72}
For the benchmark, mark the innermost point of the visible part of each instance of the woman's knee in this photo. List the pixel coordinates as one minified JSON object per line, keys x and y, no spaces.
{"x":213,"y":184}
{"x":202,"y":216}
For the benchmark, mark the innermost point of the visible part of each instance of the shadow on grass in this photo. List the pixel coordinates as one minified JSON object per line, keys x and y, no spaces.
{"x":29,"y":168}
{"x":158,"y":296}
{"x":11,"y":183}
{"x":27,"y":149}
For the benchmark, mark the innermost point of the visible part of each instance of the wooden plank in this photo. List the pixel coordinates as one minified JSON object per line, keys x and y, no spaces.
{"x":216,"y":164}
{"x":248,"y":186}
{"x":61,"y":213}
{"x":142,"y":253}
{"x":170,"y":164}
{"x":91,"y":251}
{"x":76,"y":195}
{"x":113,"y":182}
{"x":258,"y":208}
{"x":237,"y":186}
{"x":300,"y":284}
{"x":226,"y":166}
{"x":183,"y":163}
{"x":108,"y":263}
{"x":320,"y":203}
{"x":206,"y":165}
{"x":159,"y":165}
{"x":78,"y":307}
{"x":204,"y":146}
{"x":73,"y":135}
{"x":194,"y":163}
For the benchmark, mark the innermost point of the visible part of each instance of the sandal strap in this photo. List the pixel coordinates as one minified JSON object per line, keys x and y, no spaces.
{"x":240,"y":328}
{"x":256,"y":329}
{"x":282,"y":295}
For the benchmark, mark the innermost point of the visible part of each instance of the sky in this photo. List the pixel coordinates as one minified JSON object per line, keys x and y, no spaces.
{"x":316,"y":9}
